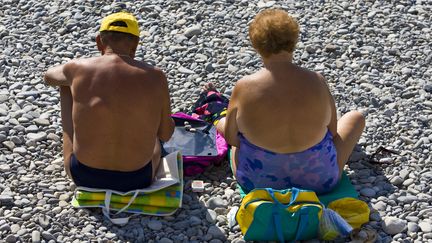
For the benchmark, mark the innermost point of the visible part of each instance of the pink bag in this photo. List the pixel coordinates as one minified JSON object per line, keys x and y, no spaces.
{"x":200,"y":146}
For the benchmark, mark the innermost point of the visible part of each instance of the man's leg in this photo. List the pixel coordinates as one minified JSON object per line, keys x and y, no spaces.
{"x":349,"y":129}
{"x":66,"y":115}
{"x":156,"y":157}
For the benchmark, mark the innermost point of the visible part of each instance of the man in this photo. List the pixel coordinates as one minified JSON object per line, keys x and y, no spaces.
{"x":115,"y":111}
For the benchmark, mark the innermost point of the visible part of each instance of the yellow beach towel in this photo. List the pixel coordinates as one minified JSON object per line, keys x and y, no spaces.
{"x":162,"y":198}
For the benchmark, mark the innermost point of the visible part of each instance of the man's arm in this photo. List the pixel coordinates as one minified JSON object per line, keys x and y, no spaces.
{"x":58,"y":75}
{"x":166,"y":127}
{"x":66,"y":104}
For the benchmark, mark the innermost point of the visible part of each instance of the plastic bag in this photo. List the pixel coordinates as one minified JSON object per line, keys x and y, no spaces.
{"x":354,"y":211}
{"x":332,"y":225}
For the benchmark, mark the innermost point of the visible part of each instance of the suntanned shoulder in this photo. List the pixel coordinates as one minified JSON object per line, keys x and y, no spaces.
{"x":245,"y":82}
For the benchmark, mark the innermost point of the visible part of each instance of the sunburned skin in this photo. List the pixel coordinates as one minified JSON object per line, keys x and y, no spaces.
{"x":114,"y":110}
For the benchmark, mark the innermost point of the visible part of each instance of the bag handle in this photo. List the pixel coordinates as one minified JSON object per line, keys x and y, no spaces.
{"x":303,"y":220}
{"x":303,"y":223}
{"x":294,"y":194}
{"x":278,"y":225}
{"x":301,"y":227}
{"x":106,"y":209}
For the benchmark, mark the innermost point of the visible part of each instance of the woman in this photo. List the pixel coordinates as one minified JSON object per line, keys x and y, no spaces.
{"x":281,"y":120}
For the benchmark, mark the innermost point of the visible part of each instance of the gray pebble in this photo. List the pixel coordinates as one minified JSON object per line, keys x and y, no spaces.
{"x":154,"y":225}
{"x":216,"y":232}
{"x":393,"y":225}
{"x":193,"y":30}
{"x":367,"y":192}
{"x":216,"y":202}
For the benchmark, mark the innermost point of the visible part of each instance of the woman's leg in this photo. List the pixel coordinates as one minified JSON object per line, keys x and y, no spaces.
{"x":220,"y":126}
{"x":349,"y":129}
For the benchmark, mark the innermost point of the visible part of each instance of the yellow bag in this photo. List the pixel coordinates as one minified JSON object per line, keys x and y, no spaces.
{"x":354,"y":211}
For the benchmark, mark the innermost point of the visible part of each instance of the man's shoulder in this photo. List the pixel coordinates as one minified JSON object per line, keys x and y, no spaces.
{"x":81,"y":62}
{"x":147,"y":67}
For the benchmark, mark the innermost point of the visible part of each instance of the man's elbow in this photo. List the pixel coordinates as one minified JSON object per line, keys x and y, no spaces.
{"x":48,"y":77}
{"x":166,"y":134}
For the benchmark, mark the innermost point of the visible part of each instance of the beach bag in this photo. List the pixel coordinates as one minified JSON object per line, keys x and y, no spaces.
{"x":199,"y":142}
{"x":283,"y":215}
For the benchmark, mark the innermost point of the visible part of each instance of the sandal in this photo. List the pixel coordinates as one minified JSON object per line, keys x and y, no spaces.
{"x":381,"y":151}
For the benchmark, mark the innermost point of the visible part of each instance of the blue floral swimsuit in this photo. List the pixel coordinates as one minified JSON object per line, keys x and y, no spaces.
{"x":314,"y":169}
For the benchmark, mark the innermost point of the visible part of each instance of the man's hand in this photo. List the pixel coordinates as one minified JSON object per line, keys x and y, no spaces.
{"x":55,"y":76}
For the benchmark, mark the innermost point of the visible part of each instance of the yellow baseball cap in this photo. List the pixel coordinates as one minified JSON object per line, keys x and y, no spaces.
{"x":130,"y":21}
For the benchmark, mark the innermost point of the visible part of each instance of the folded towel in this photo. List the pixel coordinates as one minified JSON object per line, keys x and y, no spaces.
{"x":162,"y":198}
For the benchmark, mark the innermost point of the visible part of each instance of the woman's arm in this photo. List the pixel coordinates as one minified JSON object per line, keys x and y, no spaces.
{"x":230,"y":127}
{"x":332,"y":126}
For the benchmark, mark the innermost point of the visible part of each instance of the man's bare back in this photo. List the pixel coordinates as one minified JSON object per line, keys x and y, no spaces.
{"x":118,"y":105}
{"x":115,"y":111}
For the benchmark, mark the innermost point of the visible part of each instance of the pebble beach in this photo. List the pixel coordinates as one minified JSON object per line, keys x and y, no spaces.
{"x":375,"y":55}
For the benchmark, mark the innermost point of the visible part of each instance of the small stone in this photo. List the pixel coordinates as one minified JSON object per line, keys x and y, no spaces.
{"x":209,"y":67}
{"x":412,"y":227}
{"x":426,"y":226}
{"x":330,"y":48}
{"x":40,"y":136}
{"x":4,"y":168}
{"x":368,"y":192}
{"x":230,"y":34}
{"x":217,"y":202}
{"x":44,"y":221}
{"x":393,"y":225}
{"x":9,"y":144}
{"x":211,"y":216}
{"x":15,"y":228}
{"x":20,"y":150}
{"x":185,"y":70}
{"x":42,"y":122}
{"x":216,"y":232}
{"x":6,"y":199}
{"x":408,"y":182}
{"x":5,"y":228}
{"x":11,"y":239}
{"x":53,"y":137}
{"x":375,"y":216}
{"x":88,"y":228}
{"x":2,"y":138}
{"x":397,"y":180}
{"x":407,"y":199}
{"x":165,"y":240}
{"x":32,"y":129}
{"x":155,"y":225}
{"x":193,"y":30}
{"x":110,"y":235}
{"x":47,"y":235}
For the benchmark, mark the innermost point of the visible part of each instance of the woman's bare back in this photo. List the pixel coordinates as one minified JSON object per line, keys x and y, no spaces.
{"x":284,"y":108}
